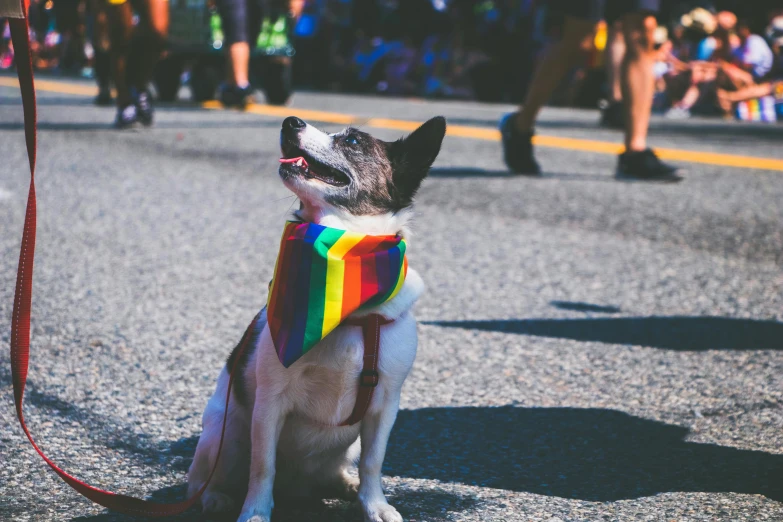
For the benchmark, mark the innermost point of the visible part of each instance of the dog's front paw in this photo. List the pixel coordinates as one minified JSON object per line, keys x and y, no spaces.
{"x":348,"y":488}
{"x":344,"y":487}
{"x":214,"y":502}
{"x":381,"y":512}
{"x":253,"y":517}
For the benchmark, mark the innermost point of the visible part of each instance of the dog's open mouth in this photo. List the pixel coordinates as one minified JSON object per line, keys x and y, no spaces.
{"x":297,"y":159}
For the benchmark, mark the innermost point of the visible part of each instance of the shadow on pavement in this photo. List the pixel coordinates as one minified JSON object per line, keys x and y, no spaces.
{"x":590,"y":454}
{"x":585,"y":307}
{"x":669,"y":333}
{"x":468,"y":172}
{"x":429,"y":505}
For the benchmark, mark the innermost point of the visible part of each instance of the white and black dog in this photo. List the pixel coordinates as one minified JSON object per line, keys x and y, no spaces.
{"x":280,"y":434}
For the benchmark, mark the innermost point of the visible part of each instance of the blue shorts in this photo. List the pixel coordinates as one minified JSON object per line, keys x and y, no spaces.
{"x":609,"y":10}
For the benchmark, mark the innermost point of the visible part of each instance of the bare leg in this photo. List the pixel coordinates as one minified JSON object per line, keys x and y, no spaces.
{"x":120,"y":18}
{"x":690,"y":98}
{"x":754,"y":91}
{"x":239,"y":63}
{"x":555,"y":64}
{"x":148,"y":42}
{"x":727,"y":99}
{"x":638,"y":78}
{"x":615,"y":49}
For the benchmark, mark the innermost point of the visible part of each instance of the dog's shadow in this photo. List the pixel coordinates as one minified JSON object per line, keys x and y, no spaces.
{"x":429,"y":505}
{"x":589,"y":454}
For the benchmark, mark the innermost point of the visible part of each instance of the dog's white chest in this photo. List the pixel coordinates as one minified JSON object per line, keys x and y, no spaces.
{"x":323,"y":384}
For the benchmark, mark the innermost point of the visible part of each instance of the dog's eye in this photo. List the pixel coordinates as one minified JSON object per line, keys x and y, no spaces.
{"x":351,"y":140}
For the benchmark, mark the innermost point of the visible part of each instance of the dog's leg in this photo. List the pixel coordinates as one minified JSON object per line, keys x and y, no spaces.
{"x":376,"y":428}
{"x":268,"y":419}
{"x":231,"y":472}
{"x":333,"y":478}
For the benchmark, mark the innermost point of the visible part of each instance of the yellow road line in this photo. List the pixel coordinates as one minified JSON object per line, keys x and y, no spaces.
{"x":556,"y":142}
{"x":282,"y":112}
{"x":49,"y":86}
{"x":460,"y":131}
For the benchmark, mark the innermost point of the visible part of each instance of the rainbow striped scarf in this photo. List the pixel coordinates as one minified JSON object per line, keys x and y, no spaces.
{"x":322,"y":276}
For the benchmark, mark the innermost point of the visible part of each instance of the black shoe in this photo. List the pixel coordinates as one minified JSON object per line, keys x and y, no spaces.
{"x":144,"y":110}
{"x":518,"y":148}
{"x":233,"y":96}
{"x":644,"y":165}
{"x":126,"y":117}
{"x":612,"y":116}
{"x":104,"y":98}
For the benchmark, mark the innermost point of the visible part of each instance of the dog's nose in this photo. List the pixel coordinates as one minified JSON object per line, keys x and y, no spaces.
{"x":293,"y":123}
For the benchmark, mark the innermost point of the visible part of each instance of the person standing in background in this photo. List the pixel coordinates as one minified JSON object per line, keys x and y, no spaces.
{"x":241,"y":22}
{"x":636,"y":54}
{"x":134,"y":53}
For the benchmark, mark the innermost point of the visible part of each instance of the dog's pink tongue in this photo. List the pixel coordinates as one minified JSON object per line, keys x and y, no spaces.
{"x":299,"y":161}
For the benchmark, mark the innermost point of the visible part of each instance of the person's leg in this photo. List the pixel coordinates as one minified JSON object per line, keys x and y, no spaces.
{"x":234,"y":17}
{"x":102,"y":59}
{"x":239,"y":64}
{"x":637,"y":77}
{"x":120,"y":21}
{"x":240,"y":18}
{"x":638,"y":86}
{"x":614,"y":54}
{"x":146,"y":47}
{"x":148,"y":43}
{"x":689,"y":99}
{"x":557,"y":61}
{"x":747,"y":93}
{"x":517,"y":128}
{"x":612,"y":115}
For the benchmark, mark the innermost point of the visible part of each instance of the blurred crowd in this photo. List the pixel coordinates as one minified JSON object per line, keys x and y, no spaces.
{"x":716,"y":57}
{"x":714,"y":62}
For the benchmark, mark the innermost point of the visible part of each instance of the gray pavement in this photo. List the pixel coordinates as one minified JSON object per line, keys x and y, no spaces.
{"x":590,"y":349}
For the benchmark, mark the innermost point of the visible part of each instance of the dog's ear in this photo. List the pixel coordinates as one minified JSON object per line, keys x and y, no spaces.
{"x":413,"y":156}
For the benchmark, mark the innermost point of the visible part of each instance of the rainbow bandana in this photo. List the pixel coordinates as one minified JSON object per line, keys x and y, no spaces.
{"x":322,"y":276}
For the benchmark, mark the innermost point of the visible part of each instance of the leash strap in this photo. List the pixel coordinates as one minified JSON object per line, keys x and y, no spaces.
{"x":368,"y":379}
{"x":20,"y":320}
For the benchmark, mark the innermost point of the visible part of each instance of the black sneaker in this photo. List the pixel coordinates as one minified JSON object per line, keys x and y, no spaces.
{"x":644,"y":165}
{"x":518,"y":148}
{"x":144,"y":110}
{"x":612,"y":116}
{"x":234,"y":96}
{"x":126,"y":117}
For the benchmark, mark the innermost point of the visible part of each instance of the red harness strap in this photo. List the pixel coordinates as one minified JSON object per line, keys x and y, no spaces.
{"x":20,"y":320}
{"x":368,"y":379}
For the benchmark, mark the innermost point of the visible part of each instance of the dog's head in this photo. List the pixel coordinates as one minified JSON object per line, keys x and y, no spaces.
{"x":352,"y":179}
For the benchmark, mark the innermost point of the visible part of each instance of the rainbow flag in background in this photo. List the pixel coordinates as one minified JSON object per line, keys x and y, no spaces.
{"x":322,"y":276}
{"x":757,"y":109}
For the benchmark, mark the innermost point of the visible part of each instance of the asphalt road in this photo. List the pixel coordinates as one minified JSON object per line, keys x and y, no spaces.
{"x":590,"y":349}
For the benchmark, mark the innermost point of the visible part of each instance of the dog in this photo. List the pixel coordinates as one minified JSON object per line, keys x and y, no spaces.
{"x":281,"y":438}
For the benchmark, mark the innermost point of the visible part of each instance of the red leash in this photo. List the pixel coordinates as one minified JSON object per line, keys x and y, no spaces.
{"x":20,"y":321}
